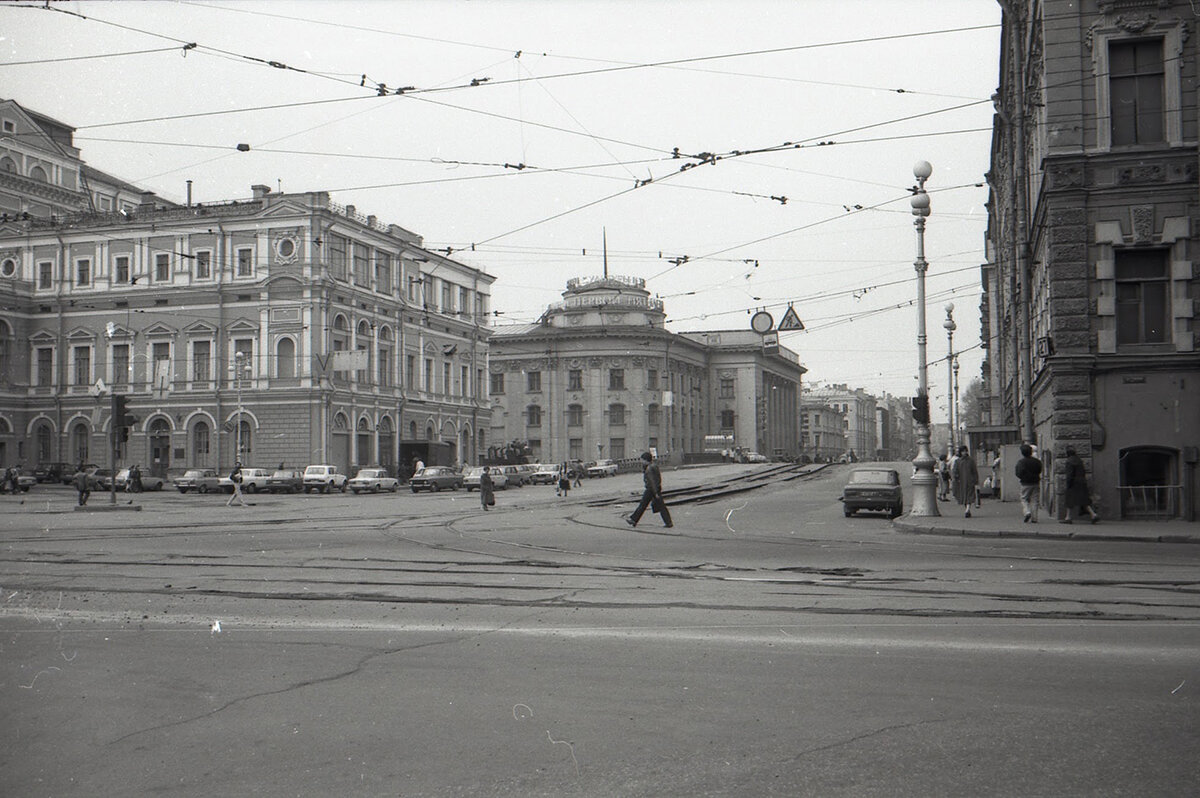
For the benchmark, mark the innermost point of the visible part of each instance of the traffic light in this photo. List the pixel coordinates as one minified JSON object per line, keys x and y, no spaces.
{"x":920,"y":404}
{"x":122,"y":418}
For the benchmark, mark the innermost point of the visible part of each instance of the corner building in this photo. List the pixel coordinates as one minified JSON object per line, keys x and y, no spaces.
{"x":598,"y":376}
{"x":299,"y":329}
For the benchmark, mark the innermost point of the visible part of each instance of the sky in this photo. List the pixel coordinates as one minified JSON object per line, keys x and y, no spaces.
{"x":740,"y":155}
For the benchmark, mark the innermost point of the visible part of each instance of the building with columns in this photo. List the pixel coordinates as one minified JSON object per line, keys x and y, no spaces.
{"x":281,"y":328}
{"x":598,"y":376}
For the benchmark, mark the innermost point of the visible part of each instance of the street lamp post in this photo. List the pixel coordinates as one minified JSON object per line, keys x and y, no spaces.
{"x":924,"y":481}
{"x":951,"y":367}
{"x":239,"y":359}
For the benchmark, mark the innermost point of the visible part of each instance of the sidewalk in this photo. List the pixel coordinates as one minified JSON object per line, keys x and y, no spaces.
{"x":997,"y":519}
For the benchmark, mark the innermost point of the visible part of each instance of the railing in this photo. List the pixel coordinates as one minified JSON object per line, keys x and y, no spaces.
{"x":1150,"y":501}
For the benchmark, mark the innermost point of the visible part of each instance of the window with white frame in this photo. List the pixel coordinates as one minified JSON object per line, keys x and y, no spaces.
{"x":44,"y":366}
{"x":121,"y":269}
{"x":245,"y":262}
{"x":285,"y":358}
{"x":203,"y":264}
{"x":1136,"y":77}
{"x":81,"y":365}
{"x":201,"y":361}
{"x":83,"y":272}
{"x":45,"y":274}
{"x":1143,"y":297}
{"x":162,"y":267}
{"x":160,"y":357}
{"x":119,"y":375}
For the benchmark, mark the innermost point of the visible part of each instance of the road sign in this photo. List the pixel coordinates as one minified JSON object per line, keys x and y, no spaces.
{"x":762,"y":322}
{"x":770,"y":342}
{"x":790,"y":321}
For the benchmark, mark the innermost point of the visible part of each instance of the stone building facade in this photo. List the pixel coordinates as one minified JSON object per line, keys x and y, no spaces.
{"x":1092,"y":285}
{"x":860,"y":411}
{"x":598,"y":376}
{"x":824,"y":429}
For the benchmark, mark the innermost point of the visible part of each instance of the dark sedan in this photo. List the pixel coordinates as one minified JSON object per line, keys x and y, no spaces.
{"x":873,"y":489}
{"x":435,"y":478}
{"x":285,"y":480}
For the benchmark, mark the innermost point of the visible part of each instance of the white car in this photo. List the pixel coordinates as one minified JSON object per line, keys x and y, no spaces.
{"x":373,"y":480}
{"x":149,"y":481}
{"x":324,"y":478}
{"x":253,"y":480}
{"x":602,"y":468}
{"x":471,"y":478}
{"x":547,"y":474}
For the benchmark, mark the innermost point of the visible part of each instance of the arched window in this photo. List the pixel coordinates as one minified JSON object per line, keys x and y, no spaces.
{"x":285,"y":358}
{"x":533,"y":416}
{"x":412,"y":430}
{"x":39,"y":174}
{"x":616,"y":414}
{"x":246,"y":440}
{"x":6,"y":350}
{"x":201,"y":442}
{"x":429,"y":432}
{"x":7,"y":164}
{"x":387,"y":369}
{"x":79,"y":442}
{"x":43,"y":437}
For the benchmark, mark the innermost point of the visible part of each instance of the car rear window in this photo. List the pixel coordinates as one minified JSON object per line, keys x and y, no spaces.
{"x":874,"y":478}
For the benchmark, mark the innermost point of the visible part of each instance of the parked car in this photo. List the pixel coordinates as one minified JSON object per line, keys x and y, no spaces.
{"x":253,"y":479}
{"x":149,"y":481}
{"x":547,"y":474}
{"x":373,"y":480}
{"x":25,"y":480}
{"x":435,"y":478}
{"x":101,"y":479}
{"x":515,"y":477}
{"x":201,"y":480}
{"x":471,"y":478}
{"x":286,"y":480}
{"x":873,"y":489}
{"x":69,"y":473}
{"x":324,"y":478}
{"x":54,"y":472}
{"x":755,"y":457}
{"x":602,"y":468}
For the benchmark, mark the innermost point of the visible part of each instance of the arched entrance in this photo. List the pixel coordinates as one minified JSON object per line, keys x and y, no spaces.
{"x":159,"y":441}
{"x":1150,"y":483}
{"x":363,"y":443}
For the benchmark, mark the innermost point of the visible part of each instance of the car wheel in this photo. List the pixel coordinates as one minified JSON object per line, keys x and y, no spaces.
{"x":434,"y":488}
{"x":414,"y":490}
{"x":343,"y":488}
{"x":847,"y":511}
{"x":250,"y":488}
{"x":202,"y":489}
{"x":897,"y":510}
{"x":354,"y":491}
{"x":395,"y":487}
{"x":307,"y":489}
{"x":183,"y":490}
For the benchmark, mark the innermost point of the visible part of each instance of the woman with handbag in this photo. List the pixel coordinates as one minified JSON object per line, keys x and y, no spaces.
{"x":487,"y":495}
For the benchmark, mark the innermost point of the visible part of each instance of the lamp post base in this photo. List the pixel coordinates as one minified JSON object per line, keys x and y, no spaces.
{"x":924,"y":480}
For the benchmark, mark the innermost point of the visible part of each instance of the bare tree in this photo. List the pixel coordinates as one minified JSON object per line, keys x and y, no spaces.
{"x":970,"y":404}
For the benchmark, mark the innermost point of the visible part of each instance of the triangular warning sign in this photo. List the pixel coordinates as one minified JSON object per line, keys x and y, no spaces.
{"x":790,"y":321}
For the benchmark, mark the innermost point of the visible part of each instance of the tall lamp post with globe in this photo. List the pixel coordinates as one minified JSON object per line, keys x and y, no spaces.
{"x":924,"y":481}
{"x":951,"y":371}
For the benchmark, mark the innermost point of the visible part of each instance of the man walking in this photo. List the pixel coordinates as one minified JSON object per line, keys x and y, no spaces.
{"x":652,"y":495}
{"x":235,"y":476}
{"x":83,"y":484}
{"x":1029,"y":474}
{"x":966,"y":480}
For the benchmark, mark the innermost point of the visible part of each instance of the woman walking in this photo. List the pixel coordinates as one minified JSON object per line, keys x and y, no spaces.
{"x":487,"y":495}
{"x":1078,"y":496}
{"x":966,"y":480}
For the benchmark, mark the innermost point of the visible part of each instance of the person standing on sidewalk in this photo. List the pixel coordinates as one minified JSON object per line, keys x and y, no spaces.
{"x":1029,"y":473}
{"x":652,"y":495}
{"x":966,"y":480}
{"x":83,"y":484}
{"x":1078,"y":496}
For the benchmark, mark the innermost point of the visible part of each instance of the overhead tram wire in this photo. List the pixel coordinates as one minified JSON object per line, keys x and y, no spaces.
{"x":88,"y":57}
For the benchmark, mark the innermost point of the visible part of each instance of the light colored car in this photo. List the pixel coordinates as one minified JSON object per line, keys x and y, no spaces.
{"x":755,"y":457}
{"x":149,"y":481}
{"x":471,"y":478}
{"x":515,"y":476}
{"x":435,"y":478}
{"x":547,"y":474}
{"x":873,"y":489}
{"x":324,"y":478}
{"x":253,"y":480}
{"x":373,"y":480}
{"x":201,"y":480}
{"x":602,"y":468}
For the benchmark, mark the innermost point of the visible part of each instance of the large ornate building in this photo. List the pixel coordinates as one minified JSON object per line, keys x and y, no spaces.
{"x":1091,"y":290}
{"x":278,"y":328}
{"x":598,"y":376}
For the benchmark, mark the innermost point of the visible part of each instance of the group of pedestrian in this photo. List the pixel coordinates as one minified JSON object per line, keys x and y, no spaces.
{"x":133,"y":482}
{"x":959,"y":475}
{"x":11,"y":481}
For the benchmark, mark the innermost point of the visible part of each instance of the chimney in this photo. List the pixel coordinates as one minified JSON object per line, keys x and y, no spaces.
{"x":350,"y":210}
{"x":260,"y":190}
{"x":371,"y":220}
{"x":147,"y":202}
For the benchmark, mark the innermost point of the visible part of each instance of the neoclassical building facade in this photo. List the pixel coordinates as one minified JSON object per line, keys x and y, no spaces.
{"x":598,"y":376}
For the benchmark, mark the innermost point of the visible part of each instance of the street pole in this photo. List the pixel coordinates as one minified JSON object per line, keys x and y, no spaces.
{"x":237,"y":364}
{"x":924,"y":481}
{"x":951,"y":399}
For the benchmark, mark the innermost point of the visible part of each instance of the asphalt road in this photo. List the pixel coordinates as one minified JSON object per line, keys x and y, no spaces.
{"x":414,"y":645}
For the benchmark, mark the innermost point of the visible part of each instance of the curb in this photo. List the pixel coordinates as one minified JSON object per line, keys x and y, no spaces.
{"x":912,"y":528}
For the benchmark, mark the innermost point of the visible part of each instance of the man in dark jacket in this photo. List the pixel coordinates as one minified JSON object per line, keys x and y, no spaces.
{"x":1029,"y":474}
{"x":652,"y":495}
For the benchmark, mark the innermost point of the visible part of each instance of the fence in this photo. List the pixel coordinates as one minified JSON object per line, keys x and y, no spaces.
{"x":1150,"y":501}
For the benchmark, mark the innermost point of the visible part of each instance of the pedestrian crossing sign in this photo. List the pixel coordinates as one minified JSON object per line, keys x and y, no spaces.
{"x":790,"y":321}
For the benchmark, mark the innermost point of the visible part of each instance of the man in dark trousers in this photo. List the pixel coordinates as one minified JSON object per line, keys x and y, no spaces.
{"x":1029,"y":474}
{"x":652,"y":495}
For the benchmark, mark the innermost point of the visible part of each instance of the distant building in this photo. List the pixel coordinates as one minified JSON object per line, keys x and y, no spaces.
{"x":1091,"y":288}
{"x":277,"y":328}
{"x":859,"y":408}
{"x":598,"y":376}
{"x":824,"y":430}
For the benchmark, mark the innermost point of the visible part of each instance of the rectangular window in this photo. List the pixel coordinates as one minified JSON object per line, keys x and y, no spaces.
{"x":726,"y":419}
{"x":496,"y":387}
{"x":383,"y":273}
{"x":120,"y":364}
{"x":652,"y":379}
{"x":616,"y":415}
{"x":245,"y":262}
{"x":1136,"y":80}
{"x":616,"y":379}
{"x":446,"y":378}
{"x":243,"y":355}
{"x":385,"y":367}
{"x":464,"y":386}
{"x":162,"y":267}
{"x":575,"y":448}
{"x":83,"y":272}
{"x":464,"y":300}
{"x":410,"y":370}
{"x":121,"y":269}
{"x":652,"y":415}
{"x":533,"y":381}
{"x":203,"y":265}
{"x":429,"y":374}
{"x":575,"y":415}
{"x":201,"y":361}
{"x":160,"y":354}
{"x":362,"y":265}
{"x":727,"y":388}
{"x":616,"y":448}
{"x":83,"y":365}
{"x":337,"y":256}
{"x":413,"y":282}
{"x":447,"y":297}
{"x":45,"y":274}
{"x":1143,"y":296}
{"x":45,"y":366}
{"x":575,"y":380}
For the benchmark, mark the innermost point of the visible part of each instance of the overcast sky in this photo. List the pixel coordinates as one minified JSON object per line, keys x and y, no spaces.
{"x":591,"y":99}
